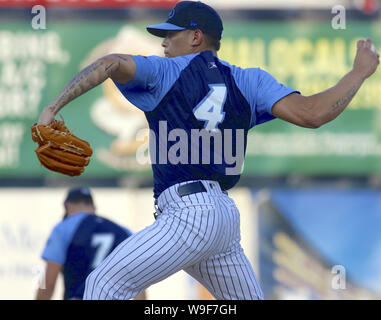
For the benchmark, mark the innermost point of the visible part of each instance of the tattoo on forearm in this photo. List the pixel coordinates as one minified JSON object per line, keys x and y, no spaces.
{"x":85,"y":80}
{"x":346,"y":99}
{"x":109,"y":66}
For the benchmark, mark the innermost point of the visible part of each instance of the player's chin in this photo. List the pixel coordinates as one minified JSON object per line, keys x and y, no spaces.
{"x":171,"y":54}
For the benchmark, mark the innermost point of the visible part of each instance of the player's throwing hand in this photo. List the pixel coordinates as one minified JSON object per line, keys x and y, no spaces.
{"x":367,"y":59}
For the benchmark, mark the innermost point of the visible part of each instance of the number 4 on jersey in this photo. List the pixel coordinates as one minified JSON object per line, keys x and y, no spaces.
{"x":210,"y":109}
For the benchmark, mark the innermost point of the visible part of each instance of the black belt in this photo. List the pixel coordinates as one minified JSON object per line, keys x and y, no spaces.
{"x":190,"y":188}
{"x":193,"y":187}
{"x":185,"y":190}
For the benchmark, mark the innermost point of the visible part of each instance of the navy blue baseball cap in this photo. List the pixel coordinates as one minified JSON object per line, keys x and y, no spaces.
{"x":78,"y":195}
{"x":190,"y":15}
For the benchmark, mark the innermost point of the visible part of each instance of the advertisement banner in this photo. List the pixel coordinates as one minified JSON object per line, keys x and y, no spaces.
{"x":310,"y":57}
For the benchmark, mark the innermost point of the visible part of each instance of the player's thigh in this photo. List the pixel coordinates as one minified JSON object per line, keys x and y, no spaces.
{"x":228,"y":276}
{"x":146,"y":257}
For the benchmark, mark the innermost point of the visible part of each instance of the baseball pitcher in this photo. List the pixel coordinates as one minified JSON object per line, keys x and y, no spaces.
{"x":199,"y":110}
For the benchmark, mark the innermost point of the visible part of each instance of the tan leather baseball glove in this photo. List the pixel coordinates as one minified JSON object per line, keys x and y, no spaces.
{"x":59,"y":150}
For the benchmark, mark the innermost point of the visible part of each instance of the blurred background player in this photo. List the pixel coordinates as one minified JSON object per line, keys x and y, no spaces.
{"x":78,"y":244}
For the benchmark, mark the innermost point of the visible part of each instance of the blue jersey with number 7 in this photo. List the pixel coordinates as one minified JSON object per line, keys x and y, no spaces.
{"x":79,"y":244}
{"x":199,"y":109}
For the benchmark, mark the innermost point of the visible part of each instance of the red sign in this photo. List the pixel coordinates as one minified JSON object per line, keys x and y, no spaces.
{"x":88,"y":3}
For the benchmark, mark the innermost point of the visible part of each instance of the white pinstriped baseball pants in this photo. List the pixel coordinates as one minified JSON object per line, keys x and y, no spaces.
{"x":199,"y":234}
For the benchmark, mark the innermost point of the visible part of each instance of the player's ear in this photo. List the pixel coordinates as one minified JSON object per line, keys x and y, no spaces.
{"x":198,"y":38}
{"x":67,"y":205}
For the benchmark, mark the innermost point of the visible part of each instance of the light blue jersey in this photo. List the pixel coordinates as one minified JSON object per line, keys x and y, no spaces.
{"x":195,"y":92}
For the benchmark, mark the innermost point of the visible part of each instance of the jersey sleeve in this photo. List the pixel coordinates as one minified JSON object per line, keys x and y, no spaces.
{"x":153,"y":79}
{"x":269,"y":92}
{"x":55,"y":248}
{"x":261,"y":91}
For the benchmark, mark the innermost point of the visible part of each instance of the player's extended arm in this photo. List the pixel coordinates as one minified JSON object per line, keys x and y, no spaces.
{"x":45,"y":292}
{"x":119,"y":67}
{"x":318,"y":109}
